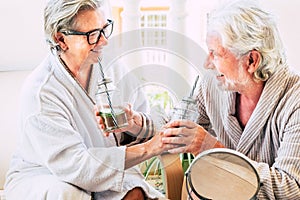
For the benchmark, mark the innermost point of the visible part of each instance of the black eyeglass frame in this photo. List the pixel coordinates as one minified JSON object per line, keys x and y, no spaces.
{"x":87,"y":34}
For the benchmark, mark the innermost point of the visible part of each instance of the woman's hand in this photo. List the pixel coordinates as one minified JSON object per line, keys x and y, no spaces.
{"x":138,"y":153}
{"x":191,"y":137}
{"x":135,"y":122}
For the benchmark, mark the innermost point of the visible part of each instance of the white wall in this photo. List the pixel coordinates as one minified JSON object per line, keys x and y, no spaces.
{"x":10,"y":84}
{"x":289,"y":25}
{"x":21,"y":34}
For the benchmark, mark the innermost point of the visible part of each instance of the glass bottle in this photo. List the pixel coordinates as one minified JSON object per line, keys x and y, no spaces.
{"x":185,"y":110}
{"x":110,"y":106}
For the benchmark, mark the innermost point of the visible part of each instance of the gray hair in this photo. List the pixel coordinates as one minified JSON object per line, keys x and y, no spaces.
{"x":244,"y":26}
{"x":59,"y":15}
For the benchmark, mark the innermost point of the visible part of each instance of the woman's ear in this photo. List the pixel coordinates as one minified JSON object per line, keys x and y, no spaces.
{"x":254,"y":59}
{"x":60,"y":39}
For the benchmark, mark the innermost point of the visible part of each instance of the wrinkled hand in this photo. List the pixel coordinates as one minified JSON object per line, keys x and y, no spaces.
{"x":156,"y":145}
{"x":191,"y":137}
{"x":134,"y":122}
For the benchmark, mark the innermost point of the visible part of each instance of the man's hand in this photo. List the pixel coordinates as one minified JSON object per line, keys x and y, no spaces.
{"x":189,"y":136}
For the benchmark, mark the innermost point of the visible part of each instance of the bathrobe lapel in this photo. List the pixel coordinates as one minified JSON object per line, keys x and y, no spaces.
{"x":231,"y":124}
{"x":243,"y":140}
{"x":268,"y":101}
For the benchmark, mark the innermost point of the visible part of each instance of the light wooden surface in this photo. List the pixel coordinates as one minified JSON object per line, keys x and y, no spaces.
{"x":172,"y":175}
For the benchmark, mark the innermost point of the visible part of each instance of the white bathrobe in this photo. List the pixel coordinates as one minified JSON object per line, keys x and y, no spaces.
{"x":60,"y":141}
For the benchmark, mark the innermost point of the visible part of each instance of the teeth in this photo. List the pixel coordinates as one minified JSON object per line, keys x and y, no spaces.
{"x":96,"y":50}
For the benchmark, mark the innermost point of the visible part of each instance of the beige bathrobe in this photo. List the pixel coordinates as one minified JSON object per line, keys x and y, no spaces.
{"x":271,"y":137}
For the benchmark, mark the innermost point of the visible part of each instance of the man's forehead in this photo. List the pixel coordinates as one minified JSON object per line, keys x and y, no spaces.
{"x":214,"y":42}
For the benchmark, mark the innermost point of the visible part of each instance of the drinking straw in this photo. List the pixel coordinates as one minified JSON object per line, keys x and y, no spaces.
{"x":194,"y":86}
{"x":107,"y":94}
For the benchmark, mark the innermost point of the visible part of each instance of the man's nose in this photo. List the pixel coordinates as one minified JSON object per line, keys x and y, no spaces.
{"x":209,"y":63}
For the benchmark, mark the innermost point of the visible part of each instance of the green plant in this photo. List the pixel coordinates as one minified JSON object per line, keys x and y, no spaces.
{"x":151,"y":167}
{"x":186,"y":160}
{"x":163,"y":99}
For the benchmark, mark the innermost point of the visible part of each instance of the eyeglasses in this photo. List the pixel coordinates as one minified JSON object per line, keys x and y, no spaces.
{"x":93,"y":36}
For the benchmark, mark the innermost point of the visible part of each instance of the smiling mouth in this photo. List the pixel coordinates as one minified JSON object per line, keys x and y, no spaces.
{"x":96,"y":51}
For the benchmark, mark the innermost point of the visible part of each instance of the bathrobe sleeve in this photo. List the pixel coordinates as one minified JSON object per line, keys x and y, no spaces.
{"x":62,"y":150}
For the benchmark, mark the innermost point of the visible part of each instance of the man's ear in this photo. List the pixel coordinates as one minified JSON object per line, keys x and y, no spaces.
{"x":254,"y":59}
{"x":60,"y":39}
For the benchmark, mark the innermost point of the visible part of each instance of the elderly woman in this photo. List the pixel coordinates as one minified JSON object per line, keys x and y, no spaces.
{"x":250,"y":102}
{"x":62,"y":153}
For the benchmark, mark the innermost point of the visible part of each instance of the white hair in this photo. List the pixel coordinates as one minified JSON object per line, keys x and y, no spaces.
{"x":59,"y":15}
{"x":245,"y":26}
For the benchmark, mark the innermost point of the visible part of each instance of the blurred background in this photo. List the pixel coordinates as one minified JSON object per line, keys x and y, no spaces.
{"x":23,"y":45}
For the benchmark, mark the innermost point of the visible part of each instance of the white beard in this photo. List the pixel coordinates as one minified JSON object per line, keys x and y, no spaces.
{"x":235,"y":84}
